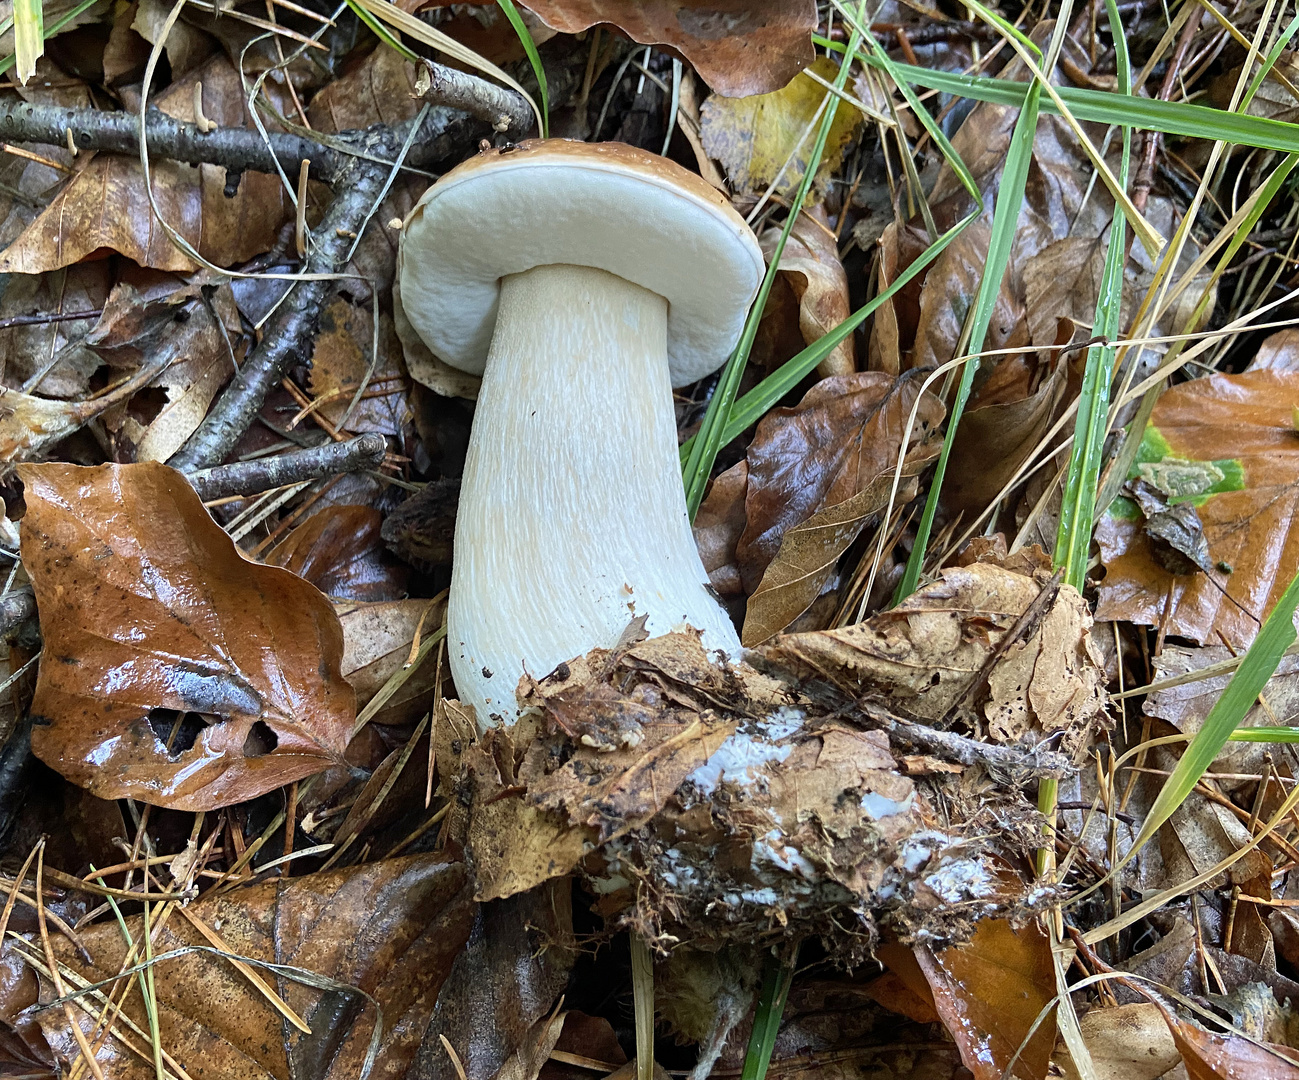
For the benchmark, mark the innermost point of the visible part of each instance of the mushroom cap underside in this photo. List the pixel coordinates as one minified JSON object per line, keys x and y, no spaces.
{"x":603,"y":205}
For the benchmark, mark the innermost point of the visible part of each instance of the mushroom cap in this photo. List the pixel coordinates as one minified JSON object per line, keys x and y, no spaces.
{"x":604,"y":205}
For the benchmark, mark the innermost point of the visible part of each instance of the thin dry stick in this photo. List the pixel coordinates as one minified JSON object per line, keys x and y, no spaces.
{"x":59,"y":987}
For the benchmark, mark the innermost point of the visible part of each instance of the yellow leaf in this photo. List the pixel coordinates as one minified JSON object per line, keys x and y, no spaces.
{"x":754,"y":137}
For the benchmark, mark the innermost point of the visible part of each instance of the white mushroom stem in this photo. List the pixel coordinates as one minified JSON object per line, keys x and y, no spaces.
{"x":572,"y":518}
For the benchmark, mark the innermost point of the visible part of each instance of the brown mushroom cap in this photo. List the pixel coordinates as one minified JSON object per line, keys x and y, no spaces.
{"x":603,"y":205}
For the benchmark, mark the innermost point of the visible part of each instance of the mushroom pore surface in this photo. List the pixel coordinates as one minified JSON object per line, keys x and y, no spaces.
{"x":572,"y":517}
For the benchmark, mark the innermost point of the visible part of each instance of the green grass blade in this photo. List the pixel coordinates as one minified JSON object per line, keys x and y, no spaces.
{"x":534,"y":58}
{"x":708,"y":440}
{"x":1265,"y":735}
{"x":751,"y":408}
{"x":29,"y":37}
{"x":1005,"y":218}
{"x":381,"y":32}
{"x":1274,"y":54}
{"x":1104,"y":107}
{"x":776,"y":980}
{"x":1077,"y":511}
{"x":7,"y":62}
{"x":1259,"y":664}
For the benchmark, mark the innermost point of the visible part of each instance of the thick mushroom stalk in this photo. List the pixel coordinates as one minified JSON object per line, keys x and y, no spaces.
{"x":572,"y":517}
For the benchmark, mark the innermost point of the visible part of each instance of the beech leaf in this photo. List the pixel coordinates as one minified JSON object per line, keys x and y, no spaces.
{"x":158,"y":630}
{"x":739,"y":47}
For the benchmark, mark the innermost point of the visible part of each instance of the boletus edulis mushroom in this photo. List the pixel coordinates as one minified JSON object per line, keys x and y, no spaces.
{"x":582,"y":282}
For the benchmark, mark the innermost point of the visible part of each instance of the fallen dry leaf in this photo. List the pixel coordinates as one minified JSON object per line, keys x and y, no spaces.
{"x":1225,"y":444}
{"x":1209,"y":1056}
{"x":739,"y":47}
{"x":810,"y":262}
{"x":193,"y":332}
{"x":376,"y":644}
{"x":339,"y":550}
{"x":927,"y":657}
{"x":105,"y":205}
{"x":390,"y":930}
{"x":152,"y":616}
{"x":989,"y":993}
{"x":1126,"y":1042}
{"x":25,"y":351}
{"x":753,"y":137}
{"x":340,"y":364}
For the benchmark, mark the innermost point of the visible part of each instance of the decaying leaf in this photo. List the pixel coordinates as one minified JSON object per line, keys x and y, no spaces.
{"x":340,"y":366}
{"x":1225,"y":444}
{"x":739,"y":47}
{"x":753,"y":137}
{"x":1126,"y":1042}
{"x":972,"y":644}
{"x":715,"y":802}
{"x":810,"y":262}
{"x":176,"y":671}
{"x":989,"y":992}
{"x":339,"y":550}
{"x":191,"y":333}
{"x":718,"y":526}
{"x":384,"y":932}
{"x":106,"y":206}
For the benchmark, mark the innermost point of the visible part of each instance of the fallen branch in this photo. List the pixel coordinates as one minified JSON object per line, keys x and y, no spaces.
{"x":263,"y":474}
{"x":284,"y":342}
{"x":1012,"y":762}
{"x":507,"y":111}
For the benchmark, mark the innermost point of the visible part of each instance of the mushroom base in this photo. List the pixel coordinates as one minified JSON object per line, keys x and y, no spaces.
{"x":572,"y":518}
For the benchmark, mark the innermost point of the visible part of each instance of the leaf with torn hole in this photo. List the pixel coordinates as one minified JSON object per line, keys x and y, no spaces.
{"x":739,"y":47}
{"x":159,"y":633}
{"x":989,"y":993}
{"x":391,"y":930}
{"x":754,"y":137}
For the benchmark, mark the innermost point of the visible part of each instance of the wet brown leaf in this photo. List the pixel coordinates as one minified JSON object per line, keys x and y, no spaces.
{"x":989,"y":993}
{"x":1209,"y":1056}
{"x":105,"y":205}
{"x":151,"y":614}
{"x":808,"y":555}
{"x":339,"y":550}
{"x":1226,"y":445}
{"x":923,"y":657}
{"x":810,"y":262}
{"x":718,"y":526}
{"x":845,"y":432}
{"x":512,"y":970}
{"x":739,"y":47}
{"x":391,"y":929}
{"x":753,"y":137}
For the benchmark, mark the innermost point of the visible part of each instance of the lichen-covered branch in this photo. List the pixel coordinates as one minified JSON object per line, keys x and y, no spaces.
{"x":263,"y":474}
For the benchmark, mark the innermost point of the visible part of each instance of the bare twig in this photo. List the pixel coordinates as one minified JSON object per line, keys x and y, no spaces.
{"x":1013,"y":762}
{"x":508,"y":112}
{"x":263,"y":474}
